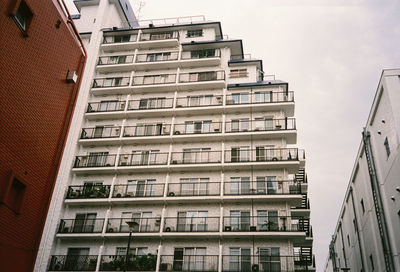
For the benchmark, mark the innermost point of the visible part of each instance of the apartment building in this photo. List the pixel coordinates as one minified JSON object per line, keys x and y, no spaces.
{"x":367,"y":237}
{"x":37,"y":95}
{"x":184,"y":160}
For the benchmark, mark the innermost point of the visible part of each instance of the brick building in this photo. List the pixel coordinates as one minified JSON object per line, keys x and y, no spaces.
{"x":39,"y":47}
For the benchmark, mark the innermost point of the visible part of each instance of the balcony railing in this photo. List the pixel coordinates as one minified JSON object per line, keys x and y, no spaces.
{"x":201,"y":54}
{"x":195,"y":157}
{"x":159,"y":36}
{"x":88,"y":191}
{"x":193,"y":189}
{"x":258,"y":98}
{"x":135,"y":263}
{"x":262,"y":262}
{"x":198,"y":128}
{"x":138,"y":190}
{"x":189,"y":263}
{"x":261,"y":187}
{"x":154,"y":79}
{"x":73,"y":263}
{"x":156,"y":57}
{"x":110,"y":82}
{"x":100,"y":132}
{"x":106,"y":106}
{"x":81,"y":226}
{"x":143,"y":159}
{"x":199,"y":101}
{"x":151,"y":104}
{"x":260,"y":125}
{"x":201,"y":76}
{"x":143,"y":224}
{"x":110,"y":60}
{"x":147,"y":130}
{"x":119,"y":39}
{"x":263,"y":223}
{"x":191,"y":224}
{"x":94,"y":161}
{"x":263,"y":155}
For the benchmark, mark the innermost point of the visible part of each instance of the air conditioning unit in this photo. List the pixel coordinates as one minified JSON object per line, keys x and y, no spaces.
{"x":167,"y":229}
{"x":171,"y":193}
{"x":253,"y":228}
{"x":228,"y":228}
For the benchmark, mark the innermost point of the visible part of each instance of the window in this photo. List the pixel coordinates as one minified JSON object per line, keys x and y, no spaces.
{"x":141,"y":188}
{"x":348,"y":239}
{"x":240,"y":154}
{"x":197,"y":155}
{"x":152,"y":103}
{"x":138,"y":251}
{"x":372,"y":262}
{"x":239,"y":186}
{"x":240,"y":125}
{"x":362,"y":206}
{"x":84,"y":223}
{"x":238,"y":73}
{"x":262,"y":97}
{"x":269,"y":259}
{"x":192,"y":221}
{"x":14,"y":194}
{"x":123,"y":38}
{"x":387,"y":147}
{"x":23,"y":16}
{"x":198,"y":127}
{"x":143,"y":220}
{"x":194,"y":186}
{"x":204,"y":53}
{"x":267,"y":220}
{"x":239,"y":259}
{"x":202,"y":100}
{"x":240,"y":220}
{"x":194,"y":33}
{"x":238,"y":98}
{"x":189,"y":259}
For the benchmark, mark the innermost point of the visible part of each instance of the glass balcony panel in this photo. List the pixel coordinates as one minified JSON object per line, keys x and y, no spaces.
{"x":85,"y":191}
{"x":195,"y":262}
{"x":151,"y":224}
{"x":73,"y":263}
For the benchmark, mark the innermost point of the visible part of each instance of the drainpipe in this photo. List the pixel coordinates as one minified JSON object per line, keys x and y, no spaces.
{"x":344,"y":251}
{"x":358,"y":233}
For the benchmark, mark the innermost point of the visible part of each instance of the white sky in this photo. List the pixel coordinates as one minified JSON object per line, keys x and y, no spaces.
{"x":331,"y":52}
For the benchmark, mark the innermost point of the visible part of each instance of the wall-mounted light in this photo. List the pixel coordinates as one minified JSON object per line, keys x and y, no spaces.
{"x":393,"y":198}
{"x":379,"y":133}
{"x":72,"y":77}
{"x":398,"y":189}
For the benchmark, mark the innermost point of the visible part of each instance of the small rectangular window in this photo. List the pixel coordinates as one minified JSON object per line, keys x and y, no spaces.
{"x":372,"y":262}
{"x":194,"y":33}
{"x":387,"y":147}
{"x":23,"y":16}
{"x":238,"y":73}
{"x":348,"y":239}
{"x":362,"y":206}
{"x":15,"y":195}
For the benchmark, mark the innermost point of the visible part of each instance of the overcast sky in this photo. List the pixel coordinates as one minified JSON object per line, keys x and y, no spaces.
{"x":332,"y":53}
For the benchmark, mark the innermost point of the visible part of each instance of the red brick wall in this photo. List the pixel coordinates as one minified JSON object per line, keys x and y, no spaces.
{"x":35,"y":107}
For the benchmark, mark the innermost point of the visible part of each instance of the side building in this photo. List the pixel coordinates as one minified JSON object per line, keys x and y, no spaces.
{"x":367,"y":236}
{"x":41,"y":62}
{"x":183,"y":159}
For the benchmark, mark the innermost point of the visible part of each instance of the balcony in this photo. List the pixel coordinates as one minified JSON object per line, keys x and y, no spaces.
{"x":142,"y":159}
{"x":189,"y":263}
{"x":113,"y":85}
{"x":135,"y":263}
{"x":246,"y":223}
{"x":91,"y":161}
{"x":262,"y":262}
{"x":185,"y":189}
{"x":81,"y":226}
{"x":138,"y":190}
{"x":147,"y":130}
{"x":119,"y":225}
{"x":164,"y":60}
{"x":101,"y":132}
{"x":121,"y":63}
{"x":261,"y":187}
{"x":196,"y":157}
{"x":158,"y":40}
{"x":191,"y":224}
{"x":73,"y":263}
{"x":200,"y":127}
{"x":244,"y":155}
{"x":202,"y":57}
{"x":119,"y":42}
{"x":159,"y":82}
{"x":202,"y":80}
{"x":150,"y":104}
{"x":106,"y":106}
{"x":239,"y":102}
{"x":88,"y":191}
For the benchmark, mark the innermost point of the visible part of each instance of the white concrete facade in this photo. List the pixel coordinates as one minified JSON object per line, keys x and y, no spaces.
{"x":359,"y":243}
{"x":177,"y":131}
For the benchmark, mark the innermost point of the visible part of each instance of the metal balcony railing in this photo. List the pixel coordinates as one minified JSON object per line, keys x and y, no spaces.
{"x":189,"y":263}
{"x":88,"y":191}
{"x":120,"y":38}
{"x":200,"y":127}
{"x":138,"y":190}
{"x":151,"y":104}
{"x":110,"y":60}
{"x":260,"y":125}
{"x":193,"y":189}
{"x":147,"y":130}
{"x":154,"y":79}
{"x":199,"y":101}
{"x":95,"y":161}
{"x":263,"y":223}
{"x":135,"y":263}
{"x":81,"y":225}
{"x":263,"y":155}
{"x":196,"y":157}
{"x":258,"y":98}
{"x":110,"y":82}
{"x":143,"y":224}
{"x":105,"y":106}
{"x":191,"y":224}
{"x":155,"y":36}
{"x":201,"y":76}
{"x":100,"y":132}
{"x":261,"y":187}
{"x":143,"y":159}
{"x":73,"y":263}
{"x":156,"y":57}
{"x":261,"y":262}
{"x":201,"y":54}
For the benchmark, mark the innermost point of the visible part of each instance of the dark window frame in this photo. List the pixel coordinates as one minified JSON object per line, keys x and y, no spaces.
{"x":23,"y":10}
{"x":194,"y":33}
{"x":387,"y":147}
{"x":14,"y":204}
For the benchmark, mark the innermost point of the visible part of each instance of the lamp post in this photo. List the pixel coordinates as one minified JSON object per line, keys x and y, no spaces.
{"x":131,"y":225}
